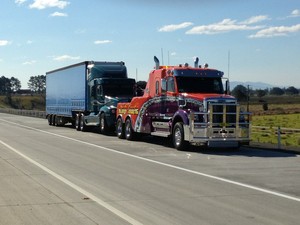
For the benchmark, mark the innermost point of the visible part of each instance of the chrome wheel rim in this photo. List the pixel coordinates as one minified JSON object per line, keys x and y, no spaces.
{"x":177,"y":137}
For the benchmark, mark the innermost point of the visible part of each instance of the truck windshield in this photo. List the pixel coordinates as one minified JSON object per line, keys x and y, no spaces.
{"x":200,"y":85}
{"x":118,"y":90}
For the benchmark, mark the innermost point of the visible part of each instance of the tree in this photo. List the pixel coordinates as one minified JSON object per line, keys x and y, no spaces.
{"x":260,"y":93}
{"x":276,"y":91}
{"x":5,"y":85}
{"x":240,"y":92}
{"x":291,"y":91}
{"x":37,"y":84}
{"x":15,"y":84}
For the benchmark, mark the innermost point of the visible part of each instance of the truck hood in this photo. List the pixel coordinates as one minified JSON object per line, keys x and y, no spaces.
{"x":115,"y":100}
{"x":202,"y":96}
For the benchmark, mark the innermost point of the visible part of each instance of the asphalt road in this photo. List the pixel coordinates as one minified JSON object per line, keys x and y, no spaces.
{"x":56,"y":175}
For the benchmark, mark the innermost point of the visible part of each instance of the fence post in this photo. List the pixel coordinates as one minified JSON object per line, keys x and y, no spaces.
{"x":279,"y":137}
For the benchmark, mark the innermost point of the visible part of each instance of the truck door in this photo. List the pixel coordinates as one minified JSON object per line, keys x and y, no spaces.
{"x":171,"y":104}
{"x":161,"y":98}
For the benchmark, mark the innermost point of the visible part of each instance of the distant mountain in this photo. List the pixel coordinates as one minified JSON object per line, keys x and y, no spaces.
{"x":252,"y":85}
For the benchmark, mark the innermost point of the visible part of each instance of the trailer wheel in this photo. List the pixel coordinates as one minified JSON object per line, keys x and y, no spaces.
{"x":57,"y":121}
{"x":54,"y":120}
{"x":178,"y":137}
{"x":77,"y":122}
{"x":103,"y":124}
{"x":82,"y":124}
{"x":120,"y":129}
{"x":49,"y":119}
{"x":129,"y":133}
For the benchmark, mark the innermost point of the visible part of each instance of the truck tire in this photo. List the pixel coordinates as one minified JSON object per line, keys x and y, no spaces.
{"x":77,"y":122}
{"x":178,"y":137}
{"x":129,"y":133}
{"x":82,"y":124}
{"x":49,"y":119}
{"x":103,"y":124}
{"x":54,"y":120}
{"x":120,"y":129}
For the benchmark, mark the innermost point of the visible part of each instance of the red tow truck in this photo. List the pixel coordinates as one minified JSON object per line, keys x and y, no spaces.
{"x":188,"y":104}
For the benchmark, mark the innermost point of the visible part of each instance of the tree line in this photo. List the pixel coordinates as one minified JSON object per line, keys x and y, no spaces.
{"x":242,"y":93}
{"x":36,"y":84}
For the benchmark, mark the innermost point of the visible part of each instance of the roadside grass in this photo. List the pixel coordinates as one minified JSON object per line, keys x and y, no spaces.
{"x":269,"y":131}
{"x":282,"y":120}
{"x":28,"y":102}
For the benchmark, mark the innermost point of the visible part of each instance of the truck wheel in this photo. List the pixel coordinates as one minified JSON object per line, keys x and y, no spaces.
{"x":54,"y":120}
{"x":77,"y":122}
{"x":103,"y":124}
{"x":178,"y":137}
{"x":120,"y":129}
{"x":49,"y":119}
{"x":82,"y":124}
{"x":129,"y":133}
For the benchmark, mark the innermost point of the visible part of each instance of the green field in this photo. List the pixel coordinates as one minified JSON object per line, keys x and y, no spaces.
{"x":268,"y":133}
{"x":274,"y":121}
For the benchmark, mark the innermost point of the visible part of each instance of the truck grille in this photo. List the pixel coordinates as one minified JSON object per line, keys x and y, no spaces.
{"x":223,"y":115}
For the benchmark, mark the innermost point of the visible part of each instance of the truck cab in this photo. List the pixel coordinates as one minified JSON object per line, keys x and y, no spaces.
{"x":108,"y":84}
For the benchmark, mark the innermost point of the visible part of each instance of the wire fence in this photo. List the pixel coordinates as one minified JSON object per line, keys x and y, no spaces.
{"x":31,"y":113}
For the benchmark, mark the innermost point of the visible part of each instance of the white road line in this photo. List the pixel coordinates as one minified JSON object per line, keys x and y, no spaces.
{"x":76,"y":187}
{"x":168,"y":165}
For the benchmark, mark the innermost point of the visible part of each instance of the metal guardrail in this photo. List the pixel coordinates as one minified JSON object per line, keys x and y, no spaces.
{"x":31,"y":113}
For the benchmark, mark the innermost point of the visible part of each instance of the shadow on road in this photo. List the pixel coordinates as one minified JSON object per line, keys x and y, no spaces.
{"x":248,"y":151}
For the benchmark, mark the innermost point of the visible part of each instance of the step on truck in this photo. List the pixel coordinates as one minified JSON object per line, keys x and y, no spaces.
{"x":188,"y":104}
{"x":86,"y":94}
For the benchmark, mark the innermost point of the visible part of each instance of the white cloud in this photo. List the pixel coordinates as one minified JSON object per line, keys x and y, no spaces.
{"x":55,"y":14}
{"x":100,"y":42}
{"x":225,"y":25}
{"x":174,"y":27}
{"x":42,"y":4}
{"x":29,"y":42}
{"x":295,"y":13}
{"x":65,"y":57}
{"x":276,"y":31}
{"x":255,"y":19}
{"x":20,"y":2}
{"x":29,"y":62}
{"x":4,"y":42}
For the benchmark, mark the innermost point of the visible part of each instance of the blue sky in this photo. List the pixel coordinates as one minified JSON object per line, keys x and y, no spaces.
{"x":262,"y":37}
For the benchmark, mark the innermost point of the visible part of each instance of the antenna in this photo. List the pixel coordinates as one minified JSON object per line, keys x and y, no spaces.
{"x":228,"y":62}
{"x":162,"y":56}
{"x":136,"y":74}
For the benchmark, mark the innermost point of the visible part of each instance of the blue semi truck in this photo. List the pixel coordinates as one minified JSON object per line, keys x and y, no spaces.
{"x":86,"y":94}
